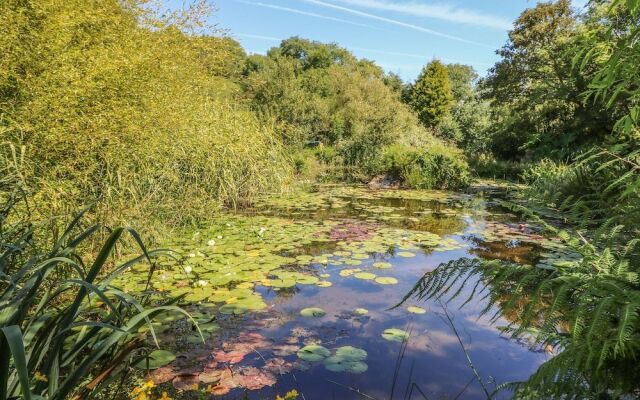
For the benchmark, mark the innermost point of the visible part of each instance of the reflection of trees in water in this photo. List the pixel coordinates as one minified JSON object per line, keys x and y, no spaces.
{"x":513,"y":251}
{"x":541,"y":309}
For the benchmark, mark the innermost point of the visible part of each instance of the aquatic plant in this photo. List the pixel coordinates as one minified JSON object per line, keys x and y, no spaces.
{"x":65,"y":329}
{"x":586,"y":311}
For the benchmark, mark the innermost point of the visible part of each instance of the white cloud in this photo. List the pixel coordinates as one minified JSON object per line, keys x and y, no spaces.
{"x":302,"y":12}
{"x":441,"y":11}
{"x":395,"y":22}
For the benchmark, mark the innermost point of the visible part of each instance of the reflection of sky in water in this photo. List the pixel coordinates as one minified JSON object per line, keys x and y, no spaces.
{"x":433,"y":360}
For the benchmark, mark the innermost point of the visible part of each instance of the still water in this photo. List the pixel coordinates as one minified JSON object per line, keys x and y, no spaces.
{"x":300,"y":293}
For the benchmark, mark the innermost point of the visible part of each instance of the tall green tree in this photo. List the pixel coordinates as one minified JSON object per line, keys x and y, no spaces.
{"x":431,"y":97}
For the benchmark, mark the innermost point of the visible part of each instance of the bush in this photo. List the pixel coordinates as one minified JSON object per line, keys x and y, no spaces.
{"x":487,"y":166}
{"x":434,"y":167}
{"x":111,"y":102}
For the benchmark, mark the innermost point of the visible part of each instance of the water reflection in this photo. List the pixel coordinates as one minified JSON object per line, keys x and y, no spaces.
{"x":434,"y":362}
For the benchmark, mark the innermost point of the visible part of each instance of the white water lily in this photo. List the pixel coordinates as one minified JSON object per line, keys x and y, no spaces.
{"x":202,"y":283}
{"x":262,"y":231}
{"x":188,"y":269}
{"x":211,"y":242}
{"x":192,"y":254}
{"x":219,"y":237}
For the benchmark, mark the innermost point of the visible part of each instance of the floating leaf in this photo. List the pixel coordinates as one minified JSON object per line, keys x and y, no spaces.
{"x":386,"y":280}
{"x":313,"y":353}
{"x":351,"y":353}
{"x":406,"y":254}
{"x":396,"y":335}
{"x":361,"y":311}
{"x":349,"y":272}
{"x":156,"y":359}
{"x":416,"y":310}
{"x":324,"y":284}
{"x":364,"y":275}
{"x":313,"y":312}
{"x":347,"y":359}
{"x":382,"y":265}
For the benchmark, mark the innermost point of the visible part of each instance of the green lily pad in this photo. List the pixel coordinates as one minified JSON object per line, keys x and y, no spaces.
{"x":347,"y":359}
{"x":349,"y":272}
{"x":307,"y":280}
{"x":406,"y":254}
{"x":361,"y":311}
{"x":416,"y":310}
{"x":351,"y":353}
{"x":313,"y":353}
{"x":382,"y":265}
{"x":395,"y":335}
{"x":338,"y":364}
{"x":386,"y":280}
{"x":157,"y":359}
{"x":364,"y":275}
{"x":313,"y":312}
{"x":324,"y":284}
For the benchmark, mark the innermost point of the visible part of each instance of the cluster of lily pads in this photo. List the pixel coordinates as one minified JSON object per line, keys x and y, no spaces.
{"x":219,"y":268}
{"x":344,"y":359}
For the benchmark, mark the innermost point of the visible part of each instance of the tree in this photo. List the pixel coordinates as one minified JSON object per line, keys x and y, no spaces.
{"x":431,"y":97}
{"x":462,"y":79}
{"x":540,"y":90}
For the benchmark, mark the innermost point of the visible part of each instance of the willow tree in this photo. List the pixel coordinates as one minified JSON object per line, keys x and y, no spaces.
{"x":431,"y":96}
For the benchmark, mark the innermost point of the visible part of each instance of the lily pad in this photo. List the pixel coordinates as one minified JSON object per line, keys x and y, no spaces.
{"x":382,"y":265}
{"x":324,"y":284}
{"x":338,"y":364}
{"x":395,"y":335}
{"x":313,"y":353}
{"x":347,"y":359}
{"x":364,"y":275}
{"x":361,"y":311}
{"x":406,"y":254}
{"x":416,"y":310}
{"x":386,"y":280}
{"x":156,"y":359}
{"x":313,"y":312}
{"x":351,"y":353}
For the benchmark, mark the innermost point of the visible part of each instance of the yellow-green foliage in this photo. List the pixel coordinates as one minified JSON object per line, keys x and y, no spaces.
{"x":112,"y":102}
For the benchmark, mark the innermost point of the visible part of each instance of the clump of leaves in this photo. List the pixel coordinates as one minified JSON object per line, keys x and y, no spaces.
{"x":64,"y":328}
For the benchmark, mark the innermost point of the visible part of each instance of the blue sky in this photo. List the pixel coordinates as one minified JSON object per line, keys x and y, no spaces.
{"x":400,"y":35}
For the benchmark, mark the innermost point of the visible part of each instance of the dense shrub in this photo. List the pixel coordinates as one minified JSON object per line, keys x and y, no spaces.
{"x":485,"y":165}
{"x":433,"y":167}
{"x":111,"y":102}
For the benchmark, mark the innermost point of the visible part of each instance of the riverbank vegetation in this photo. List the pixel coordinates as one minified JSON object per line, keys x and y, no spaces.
{"x":156,"y":120}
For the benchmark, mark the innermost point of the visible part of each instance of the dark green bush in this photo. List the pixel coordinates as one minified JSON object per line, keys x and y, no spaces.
{"x":434,"y":167}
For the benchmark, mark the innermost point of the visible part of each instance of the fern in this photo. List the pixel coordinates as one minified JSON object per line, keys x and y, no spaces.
{"x":590,"y":313}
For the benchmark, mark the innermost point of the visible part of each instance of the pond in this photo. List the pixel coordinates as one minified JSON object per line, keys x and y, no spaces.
{"x":302,"y":292}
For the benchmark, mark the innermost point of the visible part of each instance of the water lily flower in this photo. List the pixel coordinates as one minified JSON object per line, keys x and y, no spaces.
{"x":262,"y":231}
{"x":211,"y":242}
{"x":219,"y":237}
{"x":192,"y":254}
{"x":202,"y":282}
{"x":188,"y":269}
